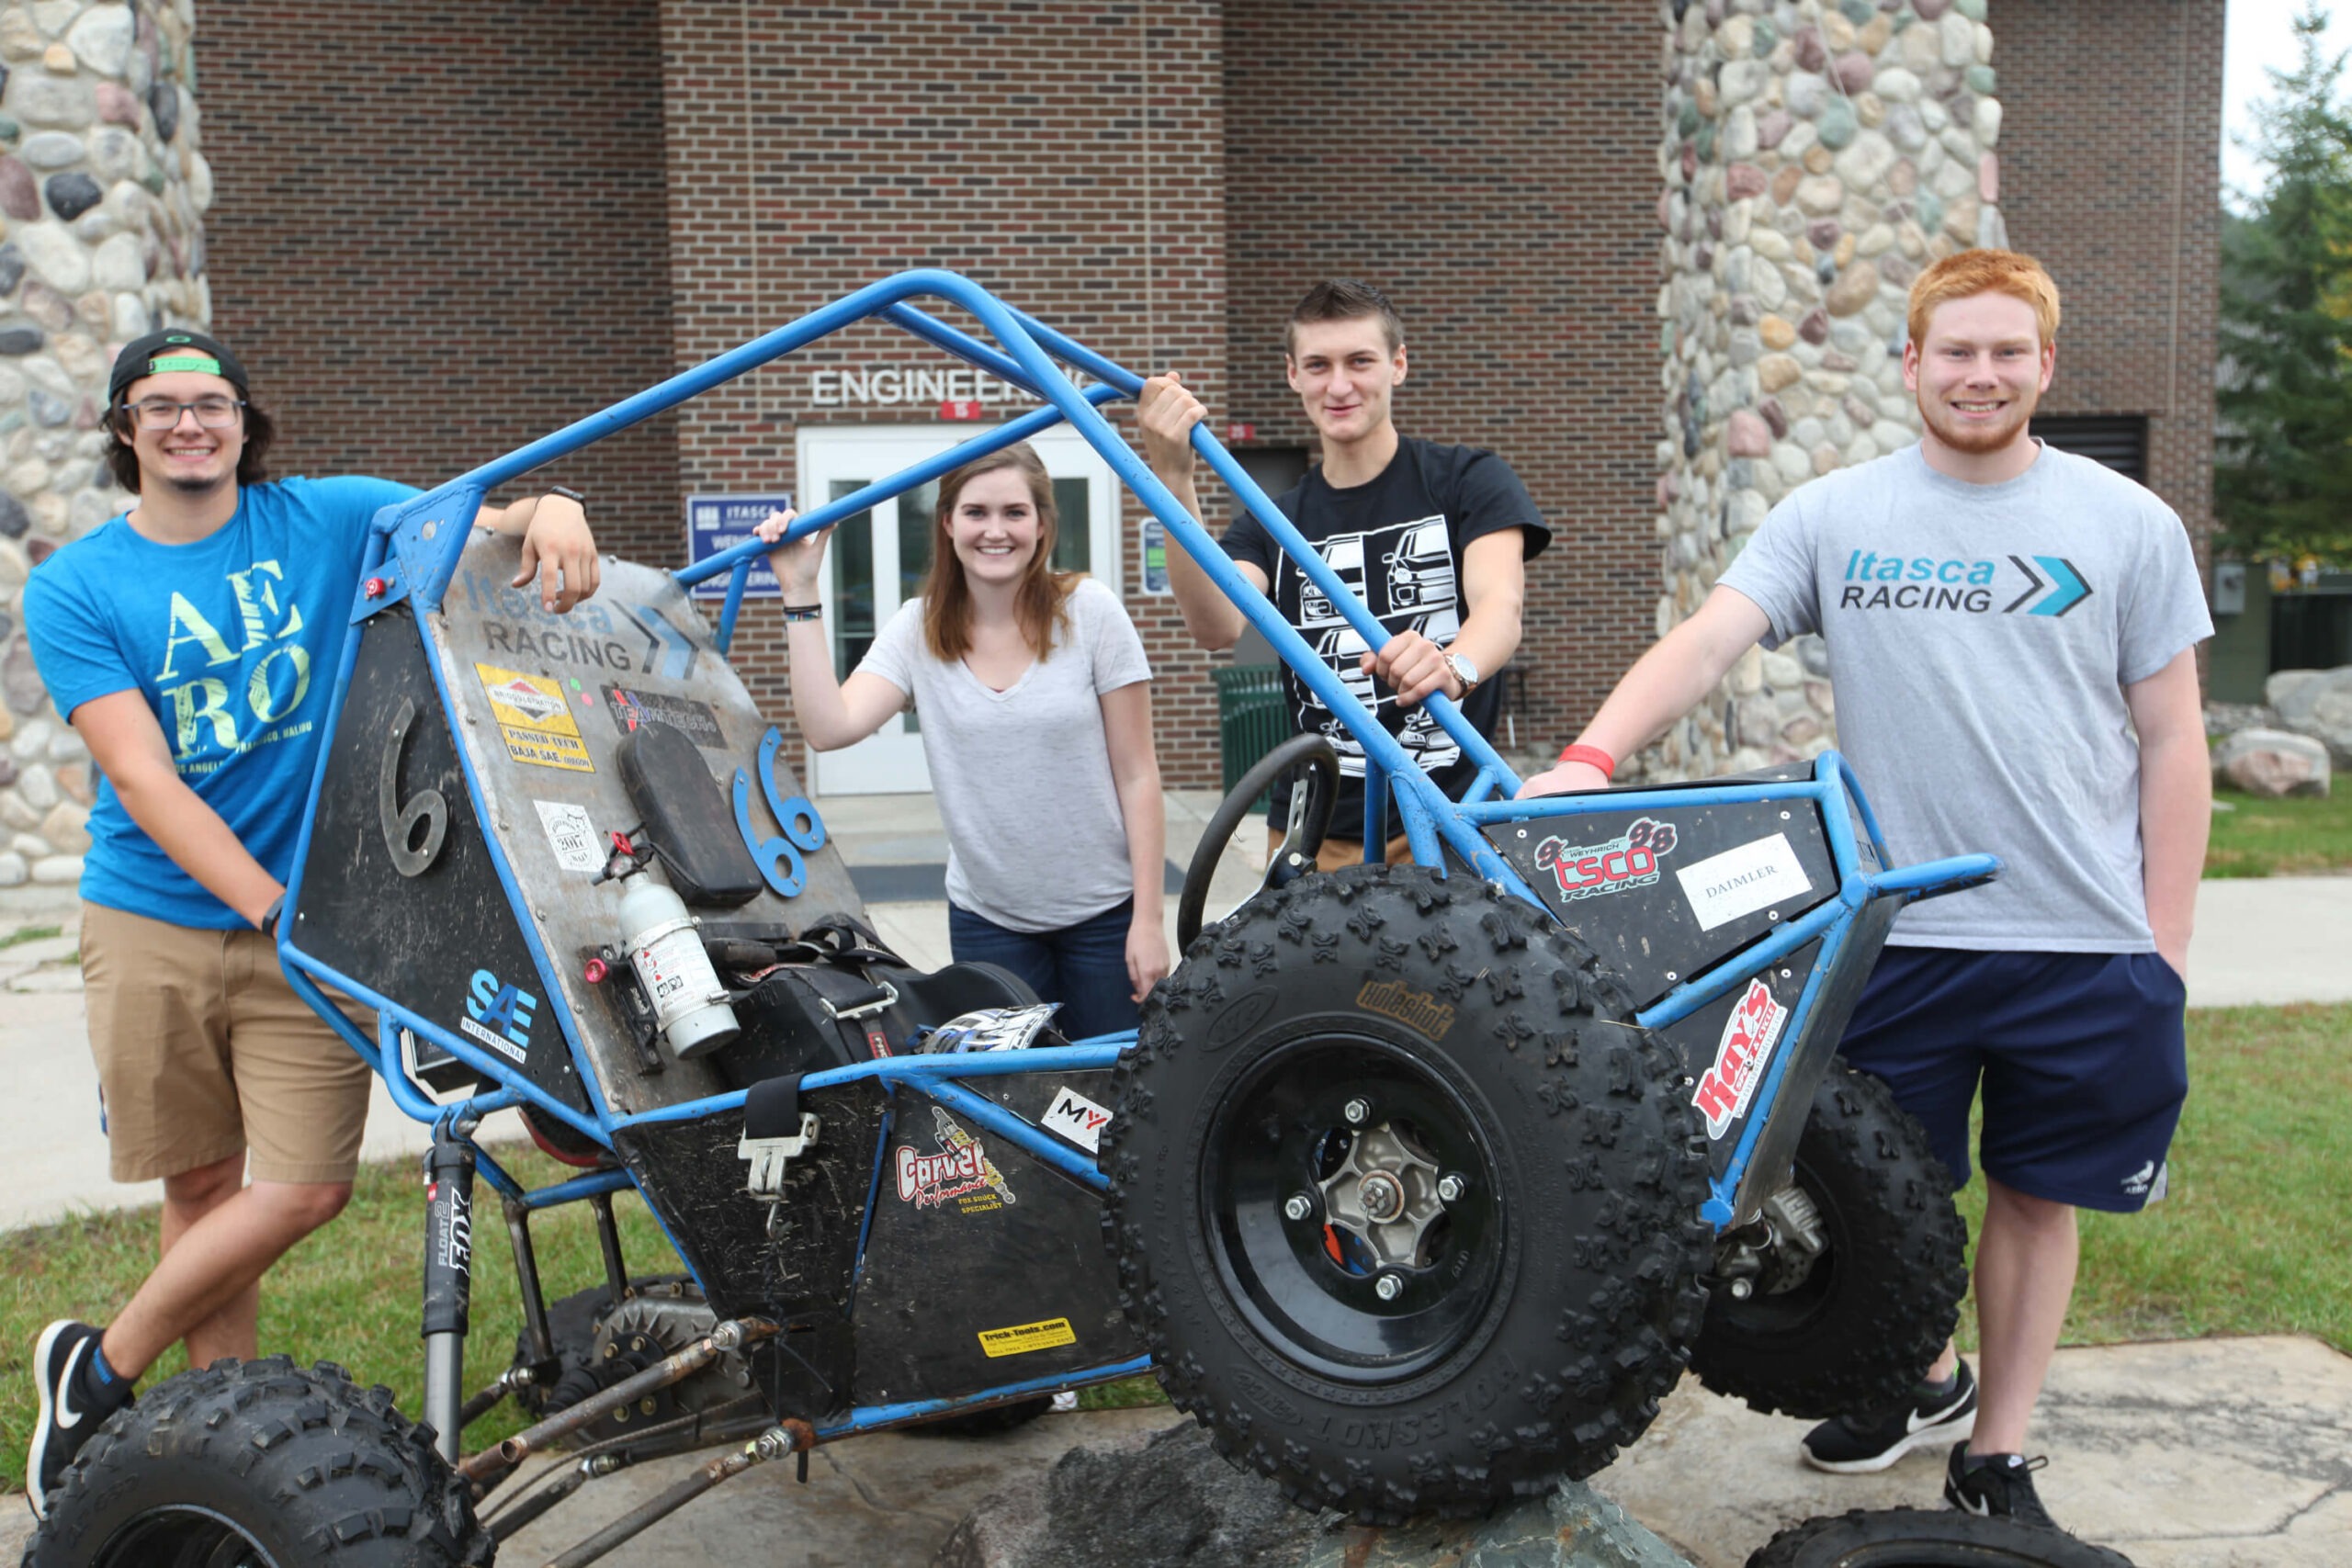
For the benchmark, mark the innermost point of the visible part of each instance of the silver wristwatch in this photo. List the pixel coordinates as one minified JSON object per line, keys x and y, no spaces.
{"x":1464,"y":671}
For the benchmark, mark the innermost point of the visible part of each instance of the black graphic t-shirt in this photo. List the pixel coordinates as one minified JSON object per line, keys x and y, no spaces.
{"x":1397,"y":541}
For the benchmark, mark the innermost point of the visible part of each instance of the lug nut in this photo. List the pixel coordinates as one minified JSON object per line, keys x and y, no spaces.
{"x":1299,"y":1206}
{"x":1357,"y":1111}
{"x":1389,"y":1287}
{"x":1450,"y":1188}
{"x":1741,"y":1290}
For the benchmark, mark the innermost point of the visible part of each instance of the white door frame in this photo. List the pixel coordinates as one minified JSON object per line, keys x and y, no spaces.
{"x":891,"y":760}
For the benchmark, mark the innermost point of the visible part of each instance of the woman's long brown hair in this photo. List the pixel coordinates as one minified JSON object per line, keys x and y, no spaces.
{"x":1040,"y":602}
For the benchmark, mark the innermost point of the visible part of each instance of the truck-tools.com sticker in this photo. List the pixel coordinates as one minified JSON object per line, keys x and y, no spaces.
{"x":534,"y":720}
{"x":960,"y":1170}
{"x":1023,"y":1338}
{"x":1749,"y":1034}
{"x":1629,"y":860}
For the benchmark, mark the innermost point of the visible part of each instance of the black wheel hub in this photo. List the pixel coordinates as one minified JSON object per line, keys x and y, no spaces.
{"x":1352,"y":1198}
{"x":183,"y":1536}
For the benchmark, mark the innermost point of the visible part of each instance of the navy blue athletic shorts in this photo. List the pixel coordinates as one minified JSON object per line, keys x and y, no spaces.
{"x":2081,"y":1056}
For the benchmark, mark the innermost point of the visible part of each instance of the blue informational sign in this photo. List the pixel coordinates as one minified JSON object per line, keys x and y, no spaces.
{"x":715,"y":523}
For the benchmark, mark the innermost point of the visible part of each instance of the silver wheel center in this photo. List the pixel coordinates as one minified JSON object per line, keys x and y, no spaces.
{"x":1385,"y":1195}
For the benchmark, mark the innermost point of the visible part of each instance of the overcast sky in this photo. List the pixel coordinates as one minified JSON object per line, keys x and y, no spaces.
{"x":2261,"y":34}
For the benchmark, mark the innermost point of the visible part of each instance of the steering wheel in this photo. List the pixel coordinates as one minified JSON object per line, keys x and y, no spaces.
{"x":1310,"y":817}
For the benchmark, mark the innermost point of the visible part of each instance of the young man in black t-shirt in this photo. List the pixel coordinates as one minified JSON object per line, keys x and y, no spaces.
{"x":1434,"y":538}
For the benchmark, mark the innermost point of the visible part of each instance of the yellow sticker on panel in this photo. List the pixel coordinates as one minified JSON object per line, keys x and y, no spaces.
{"x":534,"y":720}
{"x":1022,"y":1338}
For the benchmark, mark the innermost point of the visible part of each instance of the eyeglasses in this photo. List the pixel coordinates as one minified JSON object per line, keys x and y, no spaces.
{"x":162,"y":414}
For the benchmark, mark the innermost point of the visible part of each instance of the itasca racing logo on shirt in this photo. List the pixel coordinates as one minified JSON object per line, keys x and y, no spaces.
{"x":2031,"y":585}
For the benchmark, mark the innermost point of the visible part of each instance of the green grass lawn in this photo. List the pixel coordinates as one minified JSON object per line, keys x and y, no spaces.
{"x":2253,"y":1235}
{"x":2251,"y":1240}
{"x":2280,"y":838}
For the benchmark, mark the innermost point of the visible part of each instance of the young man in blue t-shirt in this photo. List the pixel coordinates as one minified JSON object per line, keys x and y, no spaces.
{"x":2012,"y":636}
{"x":192,"y":642}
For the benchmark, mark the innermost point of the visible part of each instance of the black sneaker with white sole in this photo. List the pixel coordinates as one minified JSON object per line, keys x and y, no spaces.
{"x":1855,"y":1445}
{"x":72,"y":1405}
{"x":1995,"y":1487}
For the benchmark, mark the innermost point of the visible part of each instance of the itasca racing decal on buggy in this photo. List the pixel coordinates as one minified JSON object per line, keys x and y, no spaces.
{"x":1753,"y":1029}
{"x":1629,"y":860}
{"x":961,"y":1171}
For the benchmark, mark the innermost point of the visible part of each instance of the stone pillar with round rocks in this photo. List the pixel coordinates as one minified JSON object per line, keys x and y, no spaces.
{"x":1817,"y":154}
{"x":102,"y":196}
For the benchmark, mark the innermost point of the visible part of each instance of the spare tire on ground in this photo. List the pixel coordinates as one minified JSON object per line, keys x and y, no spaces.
{"x":1928,"y":1537}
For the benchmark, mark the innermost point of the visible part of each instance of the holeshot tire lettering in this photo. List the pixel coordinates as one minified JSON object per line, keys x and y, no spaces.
{"x":1575,"y":1304}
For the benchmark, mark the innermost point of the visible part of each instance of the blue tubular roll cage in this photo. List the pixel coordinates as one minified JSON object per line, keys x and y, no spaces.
{"x":413,"y":553}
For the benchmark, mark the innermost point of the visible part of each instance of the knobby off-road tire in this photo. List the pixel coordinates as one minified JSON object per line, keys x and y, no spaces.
{"x":1921,"y":1538}
{"x":1878,"y":1305}
{"x":305,"y":1466}
{"x":1538,"y":1319}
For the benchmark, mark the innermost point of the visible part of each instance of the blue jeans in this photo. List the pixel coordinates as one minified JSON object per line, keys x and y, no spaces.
{"x":1084,"y":966}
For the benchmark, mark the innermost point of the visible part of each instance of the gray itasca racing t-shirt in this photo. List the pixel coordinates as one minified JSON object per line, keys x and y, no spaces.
{"x":1980,"y":638}
{"x":1023,"y":776}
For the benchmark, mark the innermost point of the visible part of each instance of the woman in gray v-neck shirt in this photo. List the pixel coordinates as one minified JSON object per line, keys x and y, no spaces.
{"x":1036,"y":723}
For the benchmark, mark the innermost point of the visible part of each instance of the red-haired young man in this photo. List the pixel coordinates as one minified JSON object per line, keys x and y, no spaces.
{"x":2011,"y":634}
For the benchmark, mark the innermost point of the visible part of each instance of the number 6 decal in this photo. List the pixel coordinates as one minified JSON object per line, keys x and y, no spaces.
{"x":399,"y":822}
{"x":779,"y":859}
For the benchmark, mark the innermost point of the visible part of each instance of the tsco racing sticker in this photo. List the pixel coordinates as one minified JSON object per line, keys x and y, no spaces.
{"x":1753,"y":1029}
{"x":961,"y":1171}
{"x":1629,"y":860}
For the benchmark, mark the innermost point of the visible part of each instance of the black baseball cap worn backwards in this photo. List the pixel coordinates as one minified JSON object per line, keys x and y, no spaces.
{"x":175,"y":348}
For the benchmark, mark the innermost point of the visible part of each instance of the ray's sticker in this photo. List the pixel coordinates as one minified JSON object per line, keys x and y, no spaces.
{"x":534,"y":720}
{"x":1749,"y":1034}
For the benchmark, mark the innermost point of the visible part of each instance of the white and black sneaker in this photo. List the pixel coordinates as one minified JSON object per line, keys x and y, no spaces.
{"x":1995,"y":1487}
{"x":72,"y":1405}
{"x":1856,"y":1445}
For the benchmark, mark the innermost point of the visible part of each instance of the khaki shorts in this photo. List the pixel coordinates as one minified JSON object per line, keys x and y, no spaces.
{"x":205,"y":1052}
{"x":1337,"y":852}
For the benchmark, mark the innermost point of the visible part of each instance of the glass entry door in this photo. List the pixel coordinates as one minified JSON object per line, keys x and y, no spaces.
{"x":877,"y":561}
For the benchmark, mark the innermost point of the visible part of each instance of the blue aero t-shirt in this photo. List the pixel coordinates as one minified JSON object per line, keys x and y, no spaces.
{"x":234,"y":641}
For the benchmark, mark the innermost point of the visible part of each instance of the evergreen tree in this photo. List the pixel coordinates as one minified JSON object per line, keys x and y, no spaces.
{"x":2283,"y":473}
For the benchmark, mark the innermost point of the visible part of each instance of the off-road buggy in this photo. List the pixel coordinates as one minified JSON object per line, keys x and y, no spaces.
{"x":1420,"y":1184}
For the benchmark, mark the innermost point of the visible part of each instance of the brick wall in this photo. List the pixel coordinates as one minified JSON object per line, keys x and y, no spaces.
{"x":1490,"y":164}
{"x":1067,"y":156}
{"x":439,"y":234}
{"x":2121,"y":200}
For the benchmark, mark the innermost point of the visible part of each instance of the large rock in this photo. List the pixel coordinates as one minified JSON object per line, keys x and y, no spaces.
{"x":1165,"y":1499}
{"x":1154,"y":1499}
{"x":2272,"y":762}
{"x":2319,"y":705}
{"x":1572,"y":1527}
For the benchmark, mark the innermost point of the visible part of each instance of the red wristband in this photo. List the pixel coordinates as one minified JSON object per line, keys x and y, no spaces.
{"x":1591,"y":757}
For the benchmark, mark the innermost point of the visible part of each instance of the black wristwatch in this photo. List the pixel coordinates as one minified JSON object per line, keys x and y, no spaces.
{"x":567,"y":493}
{"x":269,"y":915}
